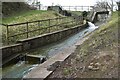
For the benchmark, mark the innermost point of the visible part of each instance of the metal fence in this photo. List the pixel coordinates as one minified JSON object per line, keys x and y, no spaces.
{"x":77,"y":8}
{"x":24,"y":30}
{"x":70,"y":8}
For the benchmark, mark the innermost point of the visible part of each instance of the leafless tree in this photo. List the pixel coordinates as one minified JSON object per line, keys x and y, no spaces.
{"x":118,"y":4}
{"x":105,"y":4}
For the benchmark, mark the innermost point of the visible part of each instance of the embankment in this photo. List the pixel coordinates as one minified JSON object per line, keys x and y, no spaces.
{"x":97,"y":57}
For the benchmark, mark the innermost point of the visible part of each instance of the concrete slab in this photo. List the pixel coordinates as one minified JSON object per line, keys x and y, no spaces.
{"x":38,"y":72}
{"x":42,"y":72}
{"x":34,"y":59}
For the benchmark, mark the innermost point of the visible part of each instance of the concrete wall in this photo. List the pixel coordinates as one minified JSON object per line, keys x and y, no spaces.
{"x":38,"y":41}
{"x":31,"y":43}
{"x":9,"y":52}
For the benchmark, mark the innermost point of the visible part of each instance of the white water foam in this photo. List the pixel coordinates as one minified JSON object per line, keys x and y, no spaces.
{"x":92,"y":26}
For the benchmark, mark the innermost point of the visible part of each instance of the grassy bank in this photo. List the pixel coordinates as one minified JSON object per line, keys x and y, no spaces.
{"x":97,"y":57}
{"x":30,"y":15}
{"x":33,"y":15}
{"x":79,"y":13}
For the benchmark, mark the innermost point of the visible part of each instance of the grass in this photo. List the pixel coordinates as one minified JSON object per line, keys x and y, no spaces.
{"x":76,"y":12}
{"x":100,"y":47}
{"x":32,"y":15}
{"x":105,"y":36}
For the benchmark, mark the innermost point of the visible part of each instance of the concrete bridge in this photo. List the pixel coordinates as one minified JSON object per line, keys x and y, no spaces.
{"x":94,"y":16}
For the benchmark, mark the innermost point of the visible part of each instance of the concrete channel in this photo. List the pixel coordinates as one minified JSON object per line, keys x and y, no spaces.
{"x":55,"y":53}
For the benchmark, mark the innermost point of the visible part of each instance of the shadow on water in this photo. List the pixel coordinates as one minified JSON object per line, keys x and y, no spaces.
{"x":21,"y":68}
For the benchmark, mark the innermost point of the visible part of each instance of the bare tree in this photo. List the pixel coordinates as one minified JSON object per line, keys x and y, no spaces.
{"x":102,"y":5}
{"x":118,"y":4}
{"x":105,"y":4}
{"x":111,"y":4}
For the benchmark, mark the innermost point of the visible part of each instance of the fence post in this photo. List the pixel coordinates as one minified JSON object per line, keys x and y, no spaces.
{"x":82,"y":8}
{"x":88,"y":8}
{"x":76,"y":8}
{"x":7,"y":35}
{"x":27,"y":29}
{"x":39,"y":26}
{"x":56,"y":23}
{"x":75,"y":21}
{"x":66,"y":21}
{"x":49,"y":24}
{"x":69,"y":8}
{"x":39,"y":6}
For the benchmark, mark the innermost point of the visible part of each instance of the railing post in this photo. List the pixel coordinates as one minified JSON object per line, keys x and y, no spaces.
{"x":56,"y":23}
{"x":66,"y":21}
{"x":82,"y":8}
{"x":7,"y":35}
{"x":76,"y":8}
{"x":69,"y":8}
{"x":76,"y":21}
{"x":39,"y":26}
{"x":88,"y":8}
{"x":72,"y":20}
{"x":27,"y":29}
{"x":49,"y":24}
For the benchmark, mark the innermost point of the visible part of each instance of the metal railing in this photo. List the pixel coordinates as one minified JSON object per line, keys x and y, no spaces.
{"x":24,"y":30}
{"x":70,"y":8}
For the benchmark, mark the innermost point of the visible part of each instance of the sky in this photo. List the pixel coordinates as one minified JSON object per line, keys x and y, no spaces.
{"x":69,"y":2}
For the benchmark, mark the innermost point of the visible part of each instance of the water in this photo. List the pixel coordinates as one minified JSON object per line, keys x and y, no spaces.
{"x":20,"y":69}
{"x":92,"y":26}
{"x":17,"y":70}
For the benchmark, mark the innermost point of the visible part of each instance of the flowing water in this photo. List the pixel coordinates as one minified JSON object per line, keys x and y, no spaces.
{"x":20,"y":69}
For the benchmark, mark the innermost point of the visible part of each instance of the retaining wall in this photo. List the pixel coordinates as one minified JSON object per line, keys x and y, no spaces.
{"x":38,"y":41}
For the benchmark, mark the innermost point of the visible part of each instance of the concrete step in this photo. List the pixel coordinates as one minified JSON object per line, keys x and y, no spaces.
{"x":34,"y":59}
